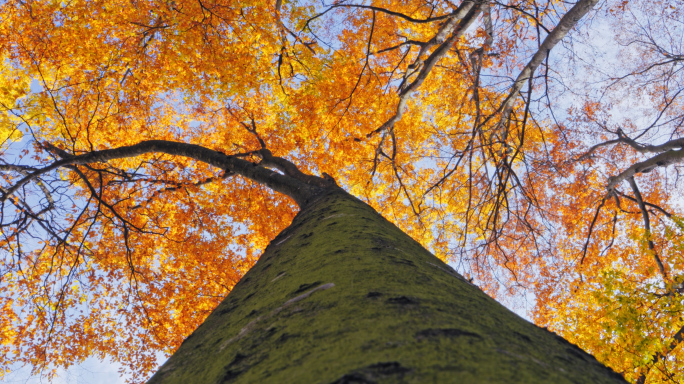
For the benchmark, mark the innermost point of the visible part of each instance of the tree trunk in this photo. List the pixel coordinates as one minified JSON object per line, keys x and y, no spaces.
{"x":344,"y":296}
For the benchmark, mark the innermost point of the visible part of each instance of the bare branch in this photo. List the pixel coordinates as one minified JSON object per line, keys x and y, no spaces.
{"x":677,"y":339}
{"x":298,"y":190}
{"x":460,"y":20}
{"x":662,"y":160}
{"x":656,"y":207}
{"x":378,"y":9}
{"x":566,"y":23}
{"x":646,"y":148}
{"x":591,"y":229}
{"x":647,"y":225}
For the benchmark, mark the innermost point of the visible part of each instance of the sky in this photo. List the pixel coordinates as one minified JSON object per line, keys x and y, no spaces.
{"x":94,"y":371}
{"x":91,"y":371}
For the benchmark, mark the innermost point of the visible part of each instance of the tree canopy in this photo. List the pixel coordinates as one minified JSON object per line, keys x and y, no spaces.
{"x":533,"y":144}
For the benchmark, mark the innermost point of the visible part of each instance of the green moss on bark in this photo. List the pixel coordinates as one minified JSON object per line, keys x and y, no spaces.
{"x":344,"y":296}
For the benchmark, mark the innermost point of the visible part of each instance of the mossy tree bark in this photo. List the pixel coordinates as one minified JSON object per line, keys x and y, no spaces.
{"x":344,"y":296}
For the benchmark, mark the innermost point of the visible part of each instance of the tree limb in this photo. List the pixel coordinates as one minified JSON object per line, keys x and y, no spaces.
{"x":460,"y":20}
{"x":677,"y":339}
{"x":646,"y":148}
{"x":566,"y":23}
{"x":297,"y":189}
{"x":661,"y":160}
{"x":647,"y":225}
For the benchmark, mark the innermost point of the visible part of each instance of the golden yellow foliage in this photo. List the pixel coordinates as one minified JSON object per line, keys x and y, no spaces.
{"x":406,"y":104}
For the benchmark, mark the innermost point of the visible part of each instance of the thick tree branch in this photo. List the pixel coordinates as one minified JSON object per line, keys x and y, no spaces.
{"x":641,"y":148}
{"x":662,"y":160}
{"x":297,"y":189}
{"x":290,"y":169}
{"x":646,"y":148}
{"x":566,"y":23}
{"x":459,"y":22}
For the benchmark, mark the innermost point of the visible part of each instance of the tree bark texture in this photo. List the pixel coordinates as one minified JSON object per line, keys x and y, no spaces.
{"x":344,"y":296}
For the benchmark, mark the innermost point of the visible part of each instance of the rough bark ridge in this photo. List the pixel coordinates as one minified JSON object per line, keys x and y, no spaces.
{"x":344,"y":296}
